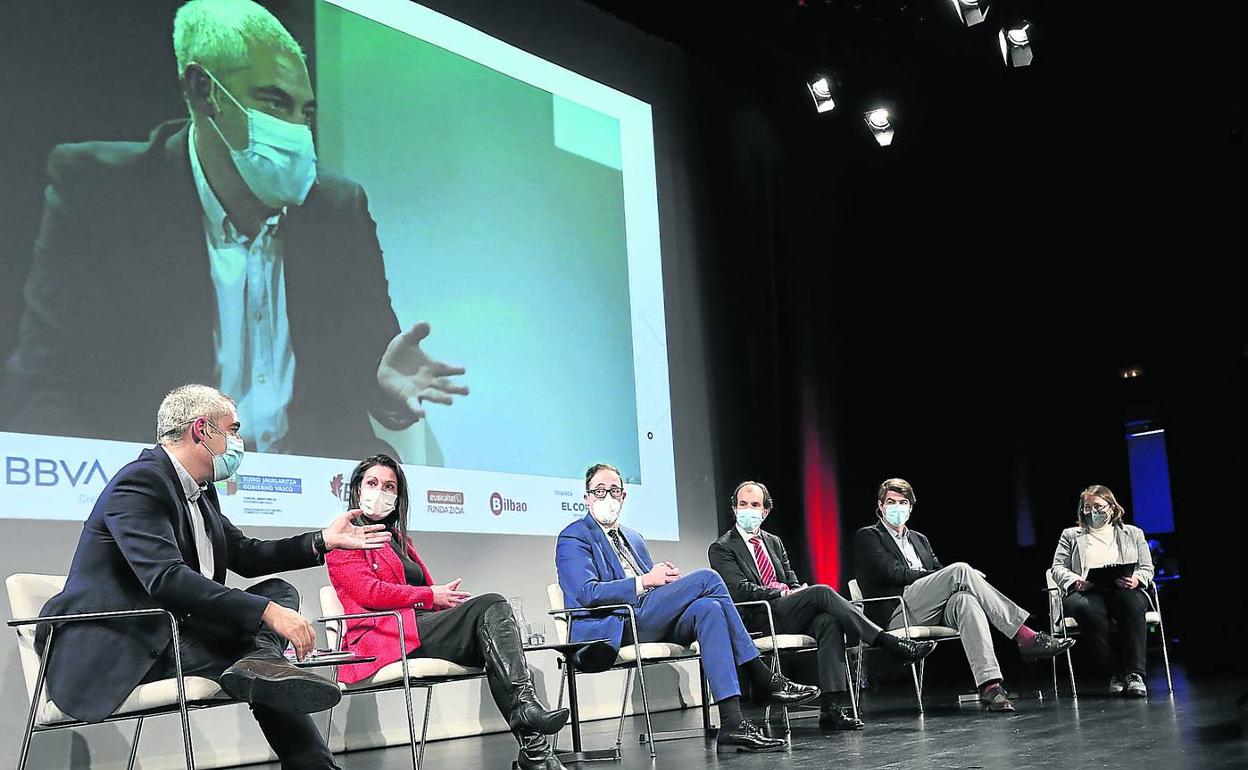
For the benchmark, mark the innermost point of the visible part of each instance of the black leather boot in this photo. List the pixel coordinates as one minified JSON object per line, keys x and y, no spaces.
{"x":508,"y":674}
{"x":535,"y":753}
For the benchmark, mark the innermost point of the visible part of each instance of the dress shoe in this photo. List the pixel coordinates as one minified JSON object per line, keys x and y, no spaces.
{"x":784,"y":692}
{"x":837,"y":718}
{"x":995,"y":698}
{"x":1045,"y":646}
{"x":747,"y":736}
{"x":903,"y":649}
{"x":272,"y":681}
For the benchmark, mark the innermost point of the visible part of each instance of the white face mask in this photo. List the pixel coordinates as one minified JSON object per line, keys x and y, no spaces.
{"x":605,"y":511}
{"x":279,"y":162}
{"x":749,"y":519}
{"x":897,"y":514}
{"x":377,"y":504}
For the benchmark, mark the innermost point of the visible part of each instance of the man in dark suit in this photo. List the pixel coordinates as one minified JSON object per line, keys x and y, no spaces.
{"x":600,"y":562}
{"x":890,"y":559}
{"x":755,"y":566}
{"x":156,"y":539}
{"x":272,"y":265}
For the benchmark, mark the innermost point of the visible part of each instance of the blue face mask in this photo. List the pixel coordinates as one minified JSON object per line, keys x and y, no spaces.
{"x":897,"y":515}
{"x":226,"y":464}
{"x":279,"y":162}
{"x":749,"y":519}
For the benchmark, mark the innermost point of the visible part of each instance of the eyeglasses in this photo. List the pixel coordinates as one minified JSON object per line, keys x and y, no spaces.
{"x":602,"y":492}
{"x":1088,"y":510}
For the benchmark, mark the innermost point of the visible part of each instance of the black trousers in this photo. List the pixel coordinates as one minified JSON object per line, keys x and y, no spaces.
{"x":820,"y":612}
{"x":1124,"y":608}
{"x":207,"y":652}
{"x":451,"y":634}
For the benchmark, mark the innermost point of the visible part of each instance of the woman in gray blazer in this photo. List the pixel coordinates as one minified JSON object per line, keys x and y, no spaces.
{"x":1102,"y":539}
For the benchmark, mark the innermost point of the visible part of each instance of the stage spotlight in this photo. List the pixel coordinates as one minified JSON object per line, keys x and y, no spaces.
{"x":821,"y":91}
{"x":971,"y":12}
{"x":1016,"y":45}
{"x":881,"y":127}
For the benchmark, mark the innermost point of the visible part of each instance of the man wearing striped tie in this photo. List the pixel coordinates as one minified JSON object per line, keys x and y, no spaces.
{"x":602,"y":563}
{"x":755,"y":566}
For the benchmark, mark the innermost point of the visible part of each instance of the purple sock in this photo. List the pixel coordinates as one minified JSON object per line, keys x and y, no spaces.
{"x":1025,"y":636}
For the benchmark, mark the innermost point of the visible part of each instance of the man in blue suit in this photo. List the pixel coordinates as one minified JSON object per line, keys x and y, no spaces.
{"x":600,"y":563}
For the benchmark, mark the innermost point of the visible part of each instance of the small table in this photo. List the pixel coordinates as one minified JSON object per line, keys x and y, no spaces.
{"x":569,"y":651}
{"x":335,"y":660}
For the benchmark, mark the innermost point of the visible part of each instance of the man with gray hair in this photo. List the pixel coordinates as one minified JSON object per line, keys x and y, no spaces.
{"x":238,"y":261}
{"x":156,"y":538}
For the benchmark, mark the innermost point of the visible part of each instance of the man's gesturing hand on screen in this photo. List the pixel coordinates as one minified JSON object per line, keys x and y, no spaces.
{"x":408,"y":377}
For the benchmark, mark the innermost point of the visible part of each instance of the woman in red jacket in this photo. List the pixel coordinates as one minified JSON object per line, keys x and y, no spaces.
{"x":439,"y":620}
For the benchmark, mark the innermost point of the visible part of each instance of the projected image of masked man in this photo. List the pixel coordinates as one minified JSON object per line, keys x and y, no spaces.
{"x":218,"y":251}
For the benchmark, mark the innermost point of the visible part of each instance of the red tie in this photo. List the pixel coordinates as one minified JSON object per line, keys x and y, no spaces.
{"x":765,"y":570}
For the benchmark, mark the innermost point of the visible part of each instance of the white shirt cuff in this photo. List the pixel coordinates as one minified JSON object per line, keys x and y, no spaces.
{"x":640,"y":588}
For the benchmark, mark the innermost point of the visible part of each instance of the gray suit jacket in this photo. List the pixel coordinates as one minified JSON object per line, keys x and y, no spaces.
{"x":1068,"y":559}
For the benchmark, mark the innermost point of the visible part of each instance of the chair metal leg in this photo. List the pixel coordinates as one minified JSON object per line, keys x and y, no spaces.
{"x":1165,"y":657}
{"x":1070,"y":666}
{"x":628,"y":691}
{"x":134,"y":743}
{"x":775,"y":667}
{"x":411,"y":718}
{"x":704,"y":686}
{"x":329,"y":725}
{"x":1165,"y":654}
{"x":645,"y":705}
{"x":563,"y":680}
{"x":917,"y":673}
{"x":183,"y":712}
{"x":35,"y":699}
{"x":1056,"y":694}
{"x":424,"y":730}
{"x":853,"y":696}
{"x":862,"y":654}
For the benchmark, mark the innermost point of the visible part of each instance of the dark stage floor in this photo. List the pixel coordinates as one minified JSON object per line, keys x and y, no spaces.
{"x":1199,"y":727}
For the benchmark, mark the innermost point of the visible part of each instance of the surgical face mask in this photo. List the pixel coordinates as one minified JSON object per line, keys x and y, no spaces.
{"x":605,"y":511}
{"x":896,"y":514}
{"x":1096,"y":519}
{"x":225,"y":464}
{"x":377,"y":504}
{"x":279,"y":162}
{"x":749,"y":519}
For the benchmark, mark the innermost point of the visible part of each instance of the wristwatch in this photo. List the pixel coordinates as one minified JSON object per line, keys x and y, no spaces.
{"x":318,"y":543}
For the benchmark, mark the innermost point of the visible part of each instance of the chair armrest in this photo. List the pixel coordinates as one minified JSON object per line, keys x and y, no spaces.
{"x":877,"y":599}
{"x":771,"y":624}
{"x":81,"y":616}
{"x":342,"y":635}
{"x":567,"y":610}
{"x":107,"y":615}
{"x":632,"y":616}
{"x":905,"y":614}
{"x":360,"y":615}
